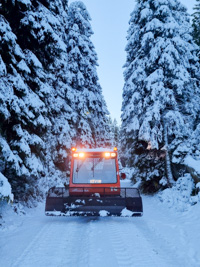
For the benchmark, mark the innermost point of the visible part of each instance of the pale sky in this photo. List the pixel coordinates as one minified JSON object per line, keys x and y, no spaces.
{"x":110,"y":24}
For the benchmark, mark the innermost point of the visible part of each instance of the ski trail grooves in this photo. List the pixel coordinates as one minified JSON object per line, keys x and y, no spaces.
{"x":76,"y":253}
{"x":156,"y":239}
{"x":124,"y":258}
{"x":135,"y":252}
{"x":100,"y":245}
{"x":107,"y":242}
{"x":51,"y":246}
{"x":160,"y":250}
{"x":35,"y":240}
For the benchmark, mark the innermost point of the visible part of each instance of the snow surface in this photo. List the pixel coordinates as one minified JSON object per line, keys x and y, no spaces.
{"x":195,"y":164}
{"x":5,"y":188}
{"x":103,"y":213}
{"x":180,"y":196}
{"x":162,"y":237}
{"x":126,"y":213}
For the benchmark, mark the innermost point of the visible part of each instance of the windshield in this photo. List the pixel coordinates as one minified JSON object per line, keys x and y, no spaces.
{"x":94,"y":170}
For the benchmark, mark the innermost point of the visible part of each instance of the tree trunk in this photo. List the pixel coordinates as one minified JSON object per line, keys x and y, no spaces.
{"x":170,"y":178}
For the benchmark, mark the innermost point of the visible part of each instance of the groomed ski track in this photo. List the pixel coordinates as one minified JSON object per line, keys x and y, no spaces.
{"x":156,"y":239}
{"x":89,"y":242}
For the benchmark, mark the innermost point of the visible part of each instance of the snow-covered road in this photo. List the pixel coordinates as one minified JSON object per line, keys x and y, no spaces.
{"x":162,"y":237}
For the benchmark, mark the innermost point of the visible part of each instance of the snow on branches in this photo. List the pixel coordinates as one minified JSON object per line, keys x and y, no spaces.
{"x":161,"y":79}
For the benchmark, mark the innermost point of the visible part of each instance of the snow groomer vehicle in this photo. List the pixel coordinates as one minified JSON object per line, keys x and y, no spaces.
{"x":94,"y":188}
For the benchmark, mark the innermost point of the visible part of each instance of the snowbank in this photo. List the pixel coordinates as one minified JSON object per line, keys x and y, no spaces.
{"x":179,"y":196}
{"x":5,"y":188}
{"x":103,"y":213}
{"x":126,"y":213}
{"x":192,"y":163}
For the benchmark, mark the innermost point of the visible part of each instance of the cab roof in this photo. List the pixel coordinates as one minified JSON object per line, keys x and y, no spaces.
{"x":94,"y":150}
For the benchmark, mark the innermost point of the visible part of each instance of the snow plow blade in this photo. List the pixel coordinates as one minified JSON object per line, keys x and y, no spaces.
{"x":125,"y":202}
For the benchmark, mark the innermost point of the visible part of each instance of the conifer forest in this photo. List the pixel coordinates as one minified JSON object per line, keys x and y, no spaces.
{"x":51,"y":97}
{"x":79,"y":186}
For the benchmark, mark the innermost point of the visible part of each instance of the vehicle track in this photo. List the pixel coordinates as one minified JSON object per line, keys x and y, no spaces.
{"x":160,"y":249}
{"x":123,"y":255}
{"x":89,"y":242}
{"x":56,"y":244}
{"x":26,"y":252}
{"x":77,"y":254}
{"x":131,"y":247}
{"x":100,"y":245}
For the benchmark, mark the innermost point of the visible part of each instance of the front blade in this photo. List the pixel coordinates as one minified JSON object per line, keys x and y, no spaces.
{"x":59,"y":202}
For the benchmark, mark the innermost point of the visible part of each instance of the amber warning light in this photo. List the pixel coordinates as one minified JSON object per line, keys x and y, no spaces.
{"x":108,"y":155}
{"x":74,"y":149}
{"x":79,"y":155}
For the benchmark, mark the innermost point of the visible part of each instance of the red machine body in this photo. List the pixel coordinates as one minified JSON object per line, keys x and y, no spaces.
{"x":94,"y":188}
{"x":100,"y":175}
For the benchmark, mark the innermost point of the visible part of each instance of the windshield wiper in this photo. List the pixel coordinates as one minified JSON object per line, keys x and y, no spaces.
{"x":94,"y":165}
{"x":78,"y":167}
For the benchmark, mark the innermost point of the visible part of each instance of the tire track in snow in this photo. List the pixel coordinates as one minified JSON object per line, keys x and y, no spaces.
{"x":100,"y":248}
{"x":170,"y":232}
{"x":131,"y":248}
{"x":86,"y":248}
{"x":51,"y":246}
{"x":77,"y":253}
{"x":123,"y":256}
{"x":26,"y":251}
{"x":87,"y":242}
{"x":141,"y":250}
{"x":193,"y":258}
{"x":165,"y":250}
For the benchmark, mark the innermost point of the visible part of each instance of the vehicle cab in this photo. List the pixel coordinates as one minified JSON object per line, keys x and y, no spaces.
{"x":94,"y":171}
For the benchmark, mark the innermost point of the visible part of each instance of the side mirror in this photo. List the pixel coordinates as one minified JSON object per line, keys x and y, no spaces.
{"x":123,"y":176}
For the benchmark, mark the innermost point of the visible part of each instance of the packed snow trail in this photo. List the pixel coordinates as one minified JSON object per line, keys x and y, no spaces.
{"x":90,"y":242}
{"x":159,"y":238}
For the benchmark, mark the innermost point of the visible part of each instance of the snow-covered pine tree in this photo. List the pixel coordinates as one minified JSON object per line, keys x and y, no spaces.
{"x":5,"y":190}
{"x":116,"y":128}
{"x":161,"y":92}
{"x":23,"y":119}
{"x":92,"y":121}
{"x":196,"y":22}
{"x":114,"y":132}
{"x":45,"y":25}
{"x":41,"y":34}
{"x":56,"y":7}
{"x":39,"y":59}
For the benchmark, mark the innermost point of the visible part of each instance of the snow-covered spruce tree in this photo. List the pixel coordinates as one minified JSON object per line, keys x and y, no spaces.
{"x":161,"y":93}
{"x":5,"y":190}
{"x":196,"y":22}
{"x":114,"y":132}
{"x":41,"y":34}
{"x":41,"y":31}
{"x":46,"y":27}
{"x":116,"y":129}
{"x":23,"y":119}
{"x":92,"y":121}
{"x":49,"y":32}
{"x":57,"y":7}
